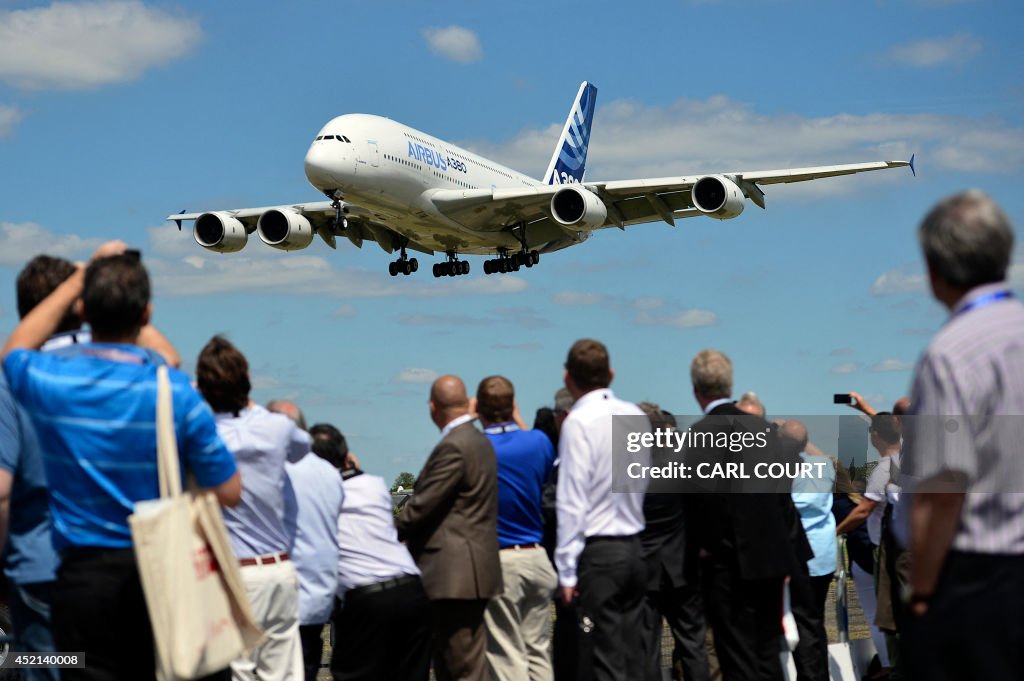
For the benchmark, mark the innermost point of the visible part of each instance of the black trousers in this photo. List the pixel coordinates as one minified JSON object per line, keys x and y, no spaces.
{"x":99,"y":609}
{"x":311,"y":636}
{"x":383,"y":635}
{"x":745,"y":617}
{"x":683,"y":609}
{"x":612,"y":582}
{"x":974,"y":627}
{"x":807,"y":599}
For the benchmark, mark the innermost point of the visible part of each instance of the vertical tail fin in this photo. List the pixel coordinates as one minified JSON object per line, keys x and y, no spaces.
{"x":568,"y":163}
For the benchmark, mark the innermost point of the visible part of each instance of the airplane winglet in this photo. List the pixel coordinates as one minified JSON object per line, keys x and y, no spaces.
{"x":911,"y":163}
{"x":178,"y":222}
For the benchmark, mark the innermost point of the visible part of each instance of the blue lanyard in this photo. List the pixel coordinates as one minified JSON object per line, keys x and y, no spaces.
{"x":982,"y":301}
{"x":498,"y":430}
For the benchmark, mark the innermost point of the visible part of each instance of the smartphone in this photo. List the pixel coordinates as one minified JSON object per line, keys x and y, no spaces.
{"x":842,"y":398}
{"x":133,"y":253}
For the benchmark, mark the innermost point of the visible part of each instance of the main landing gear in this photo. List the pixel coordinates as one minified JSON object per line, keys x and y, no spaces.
{"x":511,"y":263}
{"x":404,"y":265}
{"x":453,"y":268}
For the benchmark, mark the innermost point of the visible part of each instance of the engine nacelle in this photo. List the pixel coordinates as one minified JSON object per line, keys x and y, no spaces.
{"x":577,"y":206}
{"x":219,"y":232}
{"x":284,"y":229}
{"x":718,"y":197}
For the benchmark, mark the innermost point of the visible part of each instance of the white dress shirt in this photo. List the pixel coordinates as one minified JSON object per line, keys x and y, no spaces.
{"x":368,"y":546}
{"x":586,"y":504}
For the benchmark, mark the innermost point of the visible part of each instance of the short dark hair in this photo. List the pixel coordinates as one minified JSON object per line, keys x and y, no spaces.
{"x":329,"y":444}
{"x":38,"y":279}
{"x":887,"y":427}
{"x":495,"y":399}
{"x":588,"y":365}
{"x":115,"y":295}
{"x":222,"y":375}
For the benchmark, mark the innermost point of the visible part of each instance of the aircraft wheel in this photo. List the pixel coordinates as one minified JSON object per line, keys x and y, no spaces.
{"x":487,"y":266}
{"x":465,"y":267}
{"x":414,"y":265}
{"x":393,"y":268}
{"x":515,"y":265}
{"x":436,"y":273}
{"x":535,"y":257}
{"x":406,"y":267}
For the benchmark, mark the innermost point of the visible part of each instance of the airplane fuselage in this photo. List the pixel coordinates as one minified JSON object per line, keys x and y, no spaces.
{"x":390,"y":169}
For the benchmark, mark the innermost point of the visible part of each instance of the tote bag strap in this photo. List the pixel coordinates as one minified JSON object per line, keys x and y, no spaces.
{"x":166,"y":440}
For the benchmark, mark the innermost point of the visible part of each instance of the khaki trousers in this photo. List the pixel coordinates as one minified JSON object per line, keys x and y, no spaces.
{"x":518,"y":631}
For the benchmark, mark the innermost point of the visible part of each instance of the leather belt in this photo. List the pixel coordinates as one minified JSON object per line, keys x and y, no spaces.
{"x":519,"y":547}
{"x":600,"y":538}
{"x":265,"y":560}
{"x":382,"y":586}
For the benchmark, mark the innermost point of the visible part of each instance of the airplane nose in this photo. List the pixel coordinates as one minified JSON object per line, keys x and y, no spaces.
{"x":318,"y":168}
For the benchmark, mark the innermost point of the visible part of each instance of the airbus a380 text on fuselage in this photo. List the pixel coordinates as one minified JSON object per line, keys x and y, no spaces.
{"x":407,"y":190}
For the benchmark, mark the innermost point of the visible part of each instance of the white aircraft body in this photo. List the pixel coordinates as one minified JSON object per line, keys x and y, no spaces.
{"x":407,"y":190}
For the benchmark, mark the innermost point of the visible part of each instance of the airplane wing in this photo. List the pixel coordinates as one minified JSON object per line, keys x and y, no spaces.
{"x":628,"y":201}
{"x":363,"y":224}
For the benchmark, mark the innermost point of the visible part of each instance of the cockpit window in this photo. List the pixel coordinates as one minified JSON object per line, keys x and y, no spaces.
{"x":348,"y":140}
{"x":319,"y":138}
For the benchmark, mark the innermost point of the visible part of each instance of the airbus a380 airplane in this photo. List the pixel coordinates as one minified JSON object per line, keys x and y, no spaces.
{"x":407,"y":190}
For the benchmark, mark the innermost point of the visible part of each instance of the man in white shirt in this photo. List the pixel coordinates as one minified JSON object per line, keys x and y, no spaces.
{"x":599,"y":558}
{"x":261,"y":442}
{"x":382,"y":624}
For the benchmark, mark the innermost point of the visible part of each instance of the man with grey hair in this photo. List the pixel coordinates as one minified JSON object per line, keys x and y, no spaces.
{"x":962,"y":454}
{"x":750,"y":541}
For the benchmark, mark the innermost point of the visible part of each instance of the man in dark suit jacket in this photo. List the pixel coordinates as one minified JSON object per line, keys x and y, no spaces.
{"x":749,"y":531}
{"x":673,"y":580}
{"x":451,"y":526}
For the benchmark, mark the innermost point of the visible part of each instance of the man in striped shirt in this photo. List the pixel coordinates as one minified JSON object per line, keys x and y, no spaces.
{"x":962,"y":455}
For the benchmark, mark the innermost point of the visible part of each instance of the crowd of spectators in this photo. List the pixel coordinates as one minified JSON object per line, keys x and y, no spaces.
{"x":508,"y":523}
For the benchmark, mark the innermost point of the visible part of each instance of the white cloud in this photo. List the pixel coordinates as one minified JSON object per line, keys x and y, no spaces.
{"x":896,"y":281}
{"x":845,"y":368}
{"x":10,"y":116}
{"x":956,"y":49}
{"x":576,"y":298}
{"x":346,"y":311}
{"x":19,"y":242}
{"x":454,"y":42}
{"x":890,"y":365}
{"x":416,"y":375}
{"x":719,"y":134}
{"x":685,"y":319}
{"x":901,"y":281}
{"x":81,"y":45}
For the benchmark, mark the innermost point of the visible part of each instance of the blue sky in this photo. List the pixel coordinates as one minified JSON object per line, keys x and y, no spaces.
{"x":114,"y":114}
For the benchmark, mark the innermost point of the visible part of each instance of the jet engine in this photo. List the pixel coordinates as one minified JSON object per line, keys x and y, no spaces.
{"x":284,"y":229}
{"x":576,"y":206}
{"x":718,"y":197}
{"x":219,"y":232}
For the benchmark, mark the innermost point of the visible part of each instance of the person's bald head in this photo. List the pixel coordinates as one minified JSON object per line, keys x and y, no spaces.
{"x":793,"y":436}
{"x":448,"y":400}
{"x":901,"y":407}
{"x":289,"y":409}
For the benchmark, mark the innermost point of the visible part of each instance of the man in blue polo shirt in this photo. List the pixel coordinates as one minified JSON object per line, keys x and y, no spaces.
{"x":93,"y":406}
{"x":517,"y":620}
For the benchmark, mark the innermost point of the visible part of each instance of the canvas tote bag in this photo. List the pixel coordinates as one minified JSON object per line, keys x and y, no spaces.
{"x":201,"y":616}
